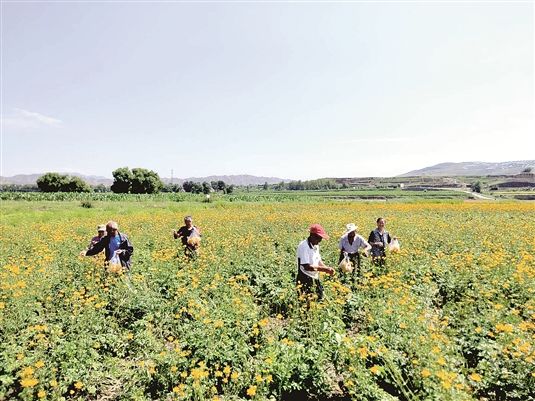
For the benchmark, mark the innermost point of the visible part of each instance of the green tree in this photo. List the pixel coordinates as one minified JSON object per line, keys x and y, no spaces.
{"x":75,"y":184}
{"x":51,"y":182}
{"x":476,"y":186}
{"x":54,"y":182}
{"x":145,"y":181}
{"x":122,"y":180}
{"x":206,"y":188}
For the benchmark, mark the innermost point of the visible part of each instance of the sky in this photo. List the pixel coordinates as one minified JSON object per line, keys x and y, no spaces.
{"x":295,"y":90}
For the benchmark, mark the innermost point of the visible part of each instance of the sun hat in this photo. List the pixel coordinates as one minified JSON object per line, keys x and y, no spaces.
{"x":350,"y":227}
{"x":318,"y":230}
{"x":101,"y":227}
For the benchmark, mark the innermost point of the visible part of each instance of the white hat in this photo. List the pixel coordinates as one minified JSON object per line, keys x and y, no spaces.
{"x":350,"y":227}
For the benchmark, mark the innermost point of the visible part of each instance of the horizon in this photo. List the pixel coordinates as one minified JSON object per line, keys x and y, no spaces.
{"x":280,"y":90}
{"x":273,"y":177}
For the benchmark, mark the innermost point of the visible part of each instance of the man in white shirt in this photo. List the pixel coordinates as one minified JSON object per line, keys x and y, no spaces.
{"x":310,"y":264}
{"x":351,"y":243}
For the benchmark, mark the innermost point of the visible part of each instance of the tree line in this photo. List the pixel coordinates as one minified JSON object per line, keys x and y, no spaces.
{"x":125,"y":181}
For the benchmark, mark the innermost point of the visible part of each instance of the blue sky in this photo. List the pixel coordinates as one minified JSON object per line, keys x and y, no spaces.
{"x":292,"y":90}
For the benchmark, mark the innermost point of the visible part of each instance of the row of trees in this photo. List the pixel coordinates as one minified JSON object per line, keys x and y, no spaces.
{"x":135,"y":181}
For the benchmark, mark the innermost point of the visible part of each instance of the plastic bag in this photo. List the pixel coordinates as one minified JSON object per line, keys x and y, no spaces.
{"x":394,"y":246}
{"x":114,"y":264}
{"x":345,"y":265}
{"x":194,"y":241}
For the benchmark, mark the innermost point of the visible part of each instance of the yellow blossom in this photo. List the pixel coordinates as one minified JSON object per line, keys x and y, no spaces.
{"x":251,"y":391}
{"x":28,"y":382}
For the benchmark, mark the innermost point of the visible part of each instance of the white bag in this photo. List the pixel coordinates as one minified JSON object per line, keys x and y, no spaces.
{"x":345,"y":264}
{"x":394,"y":246}
{"x":114,"y":264}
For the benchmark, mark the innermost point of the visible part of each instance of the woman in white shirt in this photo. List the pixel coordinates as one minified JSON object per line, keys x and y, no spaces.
{"x":351,"y":243}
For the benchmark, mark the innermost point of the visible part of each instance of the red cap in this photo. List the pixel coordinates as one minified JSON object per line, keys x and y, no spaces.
{"x":318,"y":230}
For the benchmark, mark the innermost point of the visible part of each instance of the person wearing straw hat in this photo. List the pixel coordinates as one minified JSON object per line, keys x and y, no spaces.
{"x":351,"y":244}
{"x":101,"y":233}
{"x":309,"y":263}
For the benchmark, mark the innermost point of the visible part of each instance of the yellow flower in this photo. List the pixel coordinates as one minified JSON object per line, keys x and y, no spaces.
{"x":27,"y":371}
{"x":28,"y":382}
{"x":375,"y":369}
{"x":425,"y":373}
{"x":251,"y":391}
{"x":78,"y":385}
{"x":39,"y":364}
{"x":41,"y":394}
{"x":226,"y":370}
{"x":234,"y":376}
{"x":53,"y":383}
{"x":258,"y":378}
{"x":475,"y":377}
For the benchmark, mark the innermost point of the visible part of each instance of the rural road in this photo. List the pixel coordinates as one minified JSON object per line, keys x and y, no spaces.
{"x":474,"y":194}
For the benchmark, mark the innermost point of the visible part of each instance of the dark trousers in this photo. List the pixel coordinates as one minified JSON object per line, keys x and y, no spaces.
{"x":307,"y":285}
{"x":379,"y":260}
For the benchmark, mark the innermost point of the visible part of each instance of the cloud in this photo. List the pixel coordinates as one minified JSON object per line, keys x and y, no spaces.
{"x":24,"y":119}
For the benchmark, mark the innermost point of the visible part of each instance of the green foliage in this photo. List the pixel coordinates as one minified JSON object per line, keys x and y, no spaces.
{"x":122,"y":180}
{"x":145,"y":181}
{"x":476,"y":187}
{"x":54,"y":182}
{"x":206,"y":188}
{"x":137,"y":181}
{"x":193,"y":187}
{"x":323,"y":183}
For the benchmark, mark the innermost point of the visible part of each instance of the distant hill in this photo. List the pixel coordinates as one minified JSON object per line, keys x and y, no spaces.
{"x":472,"y":169}
{"x":31,"y":179}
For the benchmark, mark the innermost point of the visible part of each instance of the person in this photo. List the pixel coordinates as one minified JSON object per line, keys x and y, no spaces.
{"x":190,"y":236}
{"x":114,"y":243}
{"x":350,"y":244}
{"x":309,"y":263}
{"x":379,"y":239}
{"x":101,"y":232}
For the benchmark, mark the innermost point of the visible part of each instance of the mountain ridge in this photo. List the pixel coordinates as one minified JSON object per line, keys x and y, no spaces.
{"x":449,"y":169}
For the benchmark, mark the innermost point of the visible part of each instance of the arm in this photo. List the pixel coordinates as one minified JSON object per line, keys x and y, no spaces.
{"x":97,"y":248}
{"x":320,"y":268}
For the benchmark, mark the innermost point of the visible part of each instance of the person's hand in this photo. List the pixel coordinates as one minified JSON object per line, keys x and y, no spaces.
{"x":82,"y":253}
{"x":329,"y":270}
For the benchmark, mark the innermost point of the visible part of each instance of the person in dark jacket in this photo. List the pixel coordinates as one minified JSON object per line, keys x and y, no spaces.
{"x":190,"y":236}
{"x":379,"y":239}
{"x":114,"y":243}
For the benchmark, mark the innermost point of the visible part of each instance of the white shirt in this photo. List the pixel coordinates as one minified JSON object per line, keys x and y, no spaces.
{"x":358,"y":242}
{"x":307,"y":255}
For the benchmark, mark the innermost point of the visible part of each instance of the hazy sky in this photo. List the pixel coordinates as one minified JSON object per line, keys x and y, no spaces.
{"x":292,"y":90}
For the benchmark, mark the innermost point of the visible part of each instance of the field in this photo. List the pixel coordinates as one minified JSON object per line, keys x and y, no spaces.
{"x":452,"y":317}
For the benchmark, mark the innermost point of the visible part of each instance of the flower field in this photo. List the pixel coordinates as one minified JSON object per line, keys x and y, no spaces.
{"x":451,"y":317}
